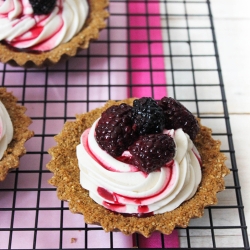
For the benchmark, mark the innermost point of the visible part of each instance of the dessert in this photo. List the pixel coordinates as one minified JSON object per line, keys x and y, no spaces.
{"x":37,"y":33}
{"x":137,"y":166}
{"x":14,"y":132}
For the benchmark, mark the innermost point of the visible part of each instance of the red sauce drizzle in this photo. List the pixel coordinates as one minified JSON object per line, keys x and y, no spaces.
{"x":104,"y":193}
{"x":114,"y":207}
{"x":142,"y":209}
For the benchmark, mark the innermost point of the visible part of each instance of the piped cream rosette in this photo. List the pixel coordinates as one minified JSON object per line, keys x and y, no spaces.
{"x":122,"y":188}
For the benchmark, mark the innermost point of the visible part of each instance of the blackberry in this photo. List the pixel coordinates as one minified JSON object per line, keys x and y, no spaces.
{"x":42,"y":7}
{"x":151,"y":152}
{"x":148,"y":116}
{"x":178,"y":116}
{"x":114,"y":131}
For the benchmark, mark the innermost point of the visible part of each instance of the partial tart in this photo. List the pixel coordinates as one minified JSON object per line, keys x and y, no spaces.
{"x":21,"y":133}
{"x":90,"y":31}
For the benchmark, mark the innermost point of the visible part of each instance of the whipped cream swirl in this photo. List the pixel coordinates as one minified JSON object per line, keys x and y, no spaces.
{"x":122,"y":188}
{"x":20,"y":28}
{"x":6,"y":129}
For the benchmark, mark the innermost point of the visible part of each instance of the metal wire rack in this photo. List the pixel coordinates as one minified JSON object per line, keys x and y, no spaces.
{"x":31,"y":216}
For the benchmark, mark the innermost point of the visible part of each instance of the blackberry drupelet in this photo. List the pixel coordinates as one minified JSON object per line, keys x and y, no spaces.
{"x":151,"y":152}
{"x":177,"y":116}
{"x":148,"y":116}
{"x":114,"y":131}
{"x":42,"y":7}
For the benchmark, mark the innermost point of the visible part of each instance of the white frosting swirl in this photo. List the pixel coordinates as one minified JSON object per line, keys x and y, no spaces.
{"x":6,"y":129}
{"x":22,"y":29}
{"x":121,"y":187}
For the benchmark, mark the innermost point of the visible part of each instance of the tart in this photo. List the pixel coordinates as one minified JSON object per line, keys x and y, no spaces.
{"x":70,"y":187}
{"x":21,"y":133}
{"x":19,"y":51}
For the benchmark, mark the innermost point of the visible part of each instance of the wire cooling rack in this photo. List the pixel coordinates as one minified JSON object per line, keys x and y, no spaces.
{"x":31,"y":216}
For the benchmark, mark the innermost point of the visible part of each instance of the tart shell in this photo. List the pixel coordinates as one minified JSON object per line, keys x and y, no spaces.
{"x":66,"y":178}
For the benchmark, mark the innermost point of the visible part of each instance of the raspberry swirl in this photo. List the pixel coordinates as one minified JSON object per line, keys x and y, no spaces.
{"x":122,"y":188}
{"x":6,"y":129}
{"x":20,"y":28}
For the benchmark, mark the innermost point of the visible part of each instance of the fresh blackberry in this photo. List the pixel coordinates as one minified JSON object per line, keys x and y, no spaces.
{"x":178,"y":116}
{"x":42,"y":7}
{"x":151,"y":152}
{"x":114,"y":131}
{"x":148,"y":116}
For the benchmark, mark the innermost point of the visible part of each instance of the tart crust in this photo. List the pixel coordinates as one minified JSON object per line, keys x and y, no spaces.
{"x":64,"y":165}
{"x":21,"y":134}
{"x":90,"y":31}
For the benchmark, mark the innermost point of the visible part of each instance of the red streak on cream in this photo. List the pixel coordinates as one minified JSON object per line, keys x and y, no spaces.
{"x":36,"y":31}
{"x":115,"y":207}
{"x":86,"y":146}
{"x":198,"y":158}
{"x":128,"y":160}
{"x":142,"y":209}
{"x":104,"y":193}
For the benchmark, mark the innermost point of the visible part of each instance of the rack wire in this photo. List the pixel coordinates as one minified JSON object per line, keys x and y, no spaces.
{"x":31,"y":216}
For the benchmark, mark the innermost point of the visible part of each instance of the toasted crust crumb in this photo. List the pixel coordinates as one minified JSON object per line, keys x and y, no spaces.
{"x":73,"y":240}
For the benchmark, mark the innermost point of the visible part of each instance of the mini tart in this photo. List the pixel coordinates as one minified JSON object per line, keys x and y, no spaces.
{"x":21,"y":133}
{"x":90,"y":31}
{"x":64,"y":165}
